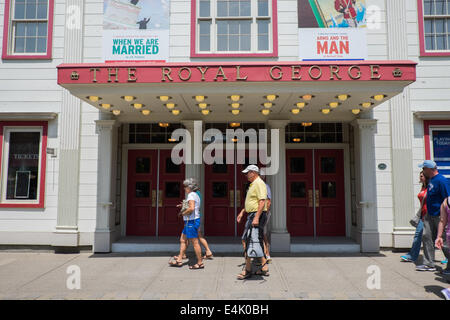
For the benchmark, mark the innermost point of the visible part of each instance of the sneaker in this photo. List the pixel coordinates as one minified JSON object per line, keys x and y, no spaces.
{"x":446,"y":293}
{"x":444,"y":261}
{"x":406,"y":259}
{"x":425,"y":268}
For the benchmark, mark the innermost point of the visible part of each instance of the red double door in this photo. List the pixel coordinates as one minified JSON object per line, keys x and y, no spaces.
{"x":225,"y":190}
{"x":315,"y":196}
{"x":152,"y":193}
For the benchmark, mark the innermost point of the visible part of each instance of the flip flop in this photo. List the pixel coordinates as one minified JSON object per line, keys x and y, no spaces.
{"x":176,"y":264}
{"x":176,"y":257}
{"x":264,"y":273}
{"x":208,"y":257}
{"x":243,"y":276}
{"x":197,"y":266}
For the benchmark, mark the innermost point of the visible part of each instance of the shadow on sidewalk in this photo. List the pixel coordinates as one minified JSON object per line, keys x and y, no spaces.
{"x":436,"y":290}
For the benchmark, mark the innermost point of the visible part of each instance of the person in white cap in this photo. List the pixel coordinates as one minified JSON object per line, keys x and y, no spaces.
{"x":256,"y":208}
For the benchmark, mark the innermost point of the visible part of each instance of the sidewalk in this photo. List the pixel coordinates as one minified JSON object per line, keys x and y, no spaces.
{"x":42,"y":275}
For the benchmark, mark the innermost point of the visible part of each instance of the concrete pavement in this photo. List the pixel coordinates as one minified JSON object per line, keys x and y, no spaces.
{"x":43,"y":275}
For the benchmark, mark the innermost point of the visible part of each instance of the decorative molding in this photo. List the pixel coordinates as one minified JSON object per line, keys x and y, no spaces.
{"x":432,"y":115}
{"x":105,"y":125}
{"x":367,"y":124}
{"x":22,"y":116}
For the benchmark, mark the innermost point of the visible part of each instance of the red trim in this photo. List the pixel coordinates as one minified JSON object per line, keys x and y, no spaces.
{"x":248,"y":72}
{"x":274,"y":52}
{"x":6,"y":25}
{"x":43,"y":160}
{"x":423,"y":51}
{"x":426,"y":134}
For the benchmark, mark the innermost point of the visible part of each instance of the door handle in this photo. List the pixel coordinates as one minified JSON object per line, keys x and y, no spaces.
{"x":317,"y":198}
{"x":231,"y":198}
{"x":160,"y":200}
{"x":153,"y":198}
{"x":310,"y":198}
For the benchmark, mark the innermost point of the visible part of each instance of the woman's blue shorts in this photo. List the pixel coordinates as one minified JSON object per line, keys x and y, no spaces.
{"x":191,"y":228}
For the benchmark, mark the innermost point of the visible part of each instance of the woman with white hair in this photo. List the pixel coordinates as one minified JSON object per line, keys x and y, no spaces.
{"x":191,"y":217}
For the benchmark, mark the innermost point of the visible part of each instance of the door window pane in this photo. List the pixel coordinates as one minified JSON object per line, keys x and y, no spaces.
{"x":142,"y":165}
{"x":297,"y":165}
{"x":328,"y":189}
{"x":298,"y":190}
{"x":220,"y":189}
{"x":328,"y":165}
{"x":23,"y":165}
{"x":142,"y":189}
{"x":172,"y":167}
{"x":219,"y":168}
{"x":172,"y":190}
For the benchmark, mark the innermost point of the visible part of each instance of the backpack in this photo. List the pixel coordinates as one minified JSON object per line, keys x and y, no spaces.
{"x":254,"y":243}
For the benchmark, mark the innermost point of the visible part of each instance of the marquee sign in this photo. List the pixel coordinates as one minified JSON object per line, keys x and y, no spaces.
{"x":232,"y":72}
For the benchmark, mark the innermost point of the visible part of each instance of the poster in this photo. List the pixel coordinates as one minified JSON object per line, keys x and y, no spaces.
{"x":136,"y":30}
{"x":332,"y":29}
{"x":441,"y":151}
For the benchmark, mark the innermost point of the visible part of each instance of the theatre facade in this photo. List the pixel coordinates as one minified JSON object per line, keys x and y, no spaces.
{"x":98,"y":98}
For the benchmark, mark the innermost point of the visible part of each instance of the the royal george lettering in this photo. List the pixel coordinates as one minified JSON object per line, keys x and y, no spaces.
{"x":237,"y":73}
{"x":135,"y":46}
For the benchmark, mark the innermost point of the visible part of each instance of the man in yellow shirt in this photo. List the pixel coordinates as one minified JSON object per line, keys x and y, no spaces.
{"x":256,"y":208}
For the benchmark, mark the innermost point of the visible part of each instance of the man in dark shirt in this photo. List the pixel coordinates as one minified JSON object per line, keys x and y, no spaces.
{"x":438,"y":190}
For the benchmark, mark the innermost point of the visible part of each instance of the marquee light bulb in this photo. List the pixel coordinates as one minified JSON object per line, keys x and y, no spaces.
{"x":94,"y":98}
{"x":334,"y":104}
{"x":128,"y":98}
{"x":235,"y":97}
{"x":379,"y":97}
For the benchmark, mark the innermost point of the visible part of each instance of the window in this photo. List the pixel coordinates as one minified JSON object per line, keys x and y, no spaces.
{"x":314,"y":133}
{"x":152,"y":133}
{"x":434,"y":26}
{"x":22,"y":165}
{"x":234,"y":28}
{"x":28,"y":29}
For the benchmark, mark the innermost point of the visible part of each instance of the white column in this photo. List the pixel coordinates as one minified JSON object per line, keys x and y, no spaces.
{"x":105,"y":215}
{"x":66,"y":230}
{"x":195,"y":170}
{"x":401,"y":130}
{"x":280,"y":237}
{"x":366,"y":192}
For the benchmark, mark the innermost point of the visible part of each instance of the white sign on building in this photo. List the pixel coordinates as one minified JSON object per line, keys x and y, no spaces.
{"x":135,"y":30}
